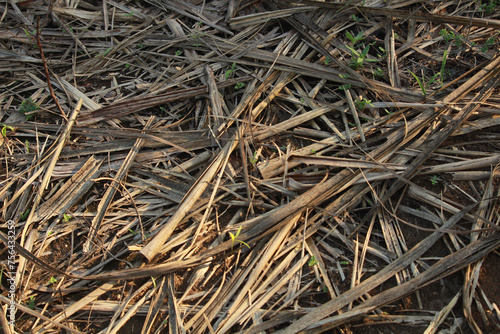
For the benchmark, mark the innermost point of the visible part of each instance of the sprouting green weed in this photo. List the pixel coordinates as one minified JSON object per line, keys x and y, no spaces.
{"x":434,"y":180}
{"x":234,"y":237}
{"x":26,"y":144}
{"x":344,"y":76}
{"x":489,"y":43}
{"x":312,"y":261}
{"x":28,"y":106}
{"x":355,"y":39}
{"x":52,"y":280}
{"x":254,"y":159}
{"x":6,"y":128}
{"x":106,"y":52}
{"x":423,"y":85}
{"x":313,"y":151}
{"x":344,"y":263}
{"x":358,"y":58}
{"x":127,"y":65}
{"x":31,"y":302}
{"x":345,"y":86}
{"x":25,"y":215}
{"x":178,"y":52}
{"x":420,"y":83}
{"x":489,"y":7}
{"x":361,"y":103}
{"x":327,"y":61}
{"x":66,"y":217}
{"x":130,"y":14}
{"x":134,"y":233}
{"x":378,"y":72}
{"x":355,"y":18}
{"x":154,"y":281}
{"x":230,"y":71}
{"x":140,"y":45}
{"x":450,"y":36}
{"x":239,"y":85}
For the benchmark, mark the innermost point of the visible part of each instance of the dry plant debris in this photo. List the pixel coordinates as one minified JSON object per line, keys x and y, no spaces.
{"x":250,"y":166}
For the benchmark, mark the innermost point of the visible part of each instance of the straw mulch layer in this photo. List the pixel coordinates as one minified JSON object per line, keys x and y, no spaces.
{"x":250,"y":166}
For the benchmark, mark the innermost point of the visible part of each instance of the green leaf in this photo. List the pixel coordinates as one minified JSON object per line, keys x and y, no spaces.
{"x":312,"y":261}
{"x":422,"y":87}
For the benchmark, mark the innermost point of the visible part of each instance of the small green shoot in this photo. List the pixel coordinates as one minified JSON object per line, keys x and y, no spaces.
{"x":134,"y":233}
{"x":106,"y":52}
{"x":358,"y":58}
{"x":239,"y":85}
{"x":355,"y":18}
{"x":230,"y":71}
{"x":327,"y":61}
{"x":450,"y":36}
{"x":354,"y":40}
{"x":344,"y":76}
{"x":312,"y":261}
{"x":378,"y":72}
{"x":345,"y":263}
{"x":422,"y":84}
{"x":52,"y":280}
{"x":489,"y":43}
{"x":129,"y":14}
{"x":434,"y":180}
{"x":234,"y":237}
{"x":6,"y":128}
{"x":28,"y":106}
{"x":345,"y":87}
{"x":31,"y":302}
{"x":25,"y":215}
{"x":154,"y":281}
{"x":27,"y":145}
{"x":254,"y":158}
{"x":490,"y":7}
{"x":361,"y":103}
{"x":140,"y":45}
{"x":66,"y":217}
{"x":178,"y":52}
{"x":127,"y":65}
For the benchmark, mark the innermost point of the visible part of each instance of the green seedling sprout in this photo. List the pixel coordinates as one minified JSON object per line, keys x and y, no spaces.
{"x":31,"y":303}
{"x":25,"y":215}
{"x":312,"y":261}
{"x":354,"y":40}
{"x":434,"y":180}
{"x":6,"y":128}
{"x":66,"y":217}
{"x":52,"y":280}
{"x":230,"y":71}
{"x":420,"y":81}
{"x":239,"y":85}
{"x":234,"y":237}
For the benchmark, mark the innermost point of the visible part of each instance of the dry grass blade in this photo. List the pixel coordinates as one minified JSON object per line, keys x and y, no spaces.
{"x":250,"y":166}
{"x":367,"y":285}
{"x":110,"y":193}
